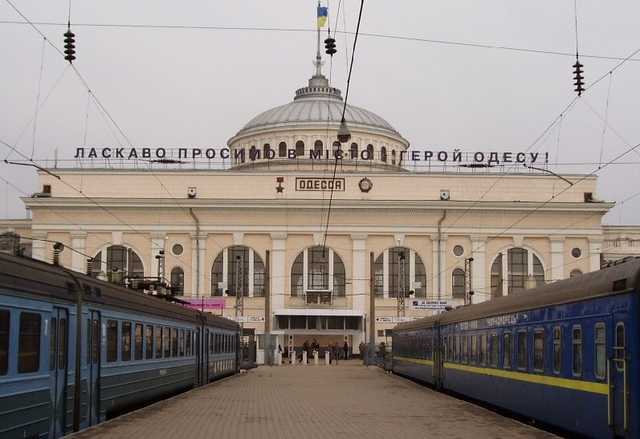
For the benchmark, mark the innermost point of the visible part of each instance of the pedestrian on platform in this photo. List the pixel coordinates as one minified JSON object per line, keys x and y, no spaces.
{"x":345,"y":348}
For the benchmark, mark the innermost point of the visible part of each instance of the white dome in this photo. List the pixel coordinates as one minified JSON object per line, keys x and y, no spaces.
{"x":321,"y":105}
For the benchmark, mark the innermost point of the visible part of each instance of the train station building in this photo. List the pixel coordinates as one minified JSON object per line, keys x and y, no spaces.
{"x":309,"y":241}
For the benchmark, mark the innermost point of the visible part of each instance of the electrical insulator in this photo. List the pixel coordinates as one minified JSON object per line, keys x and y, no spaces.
{"x":69,"y":46}
{"x":578,"y":78}
{"x":330,"y":46}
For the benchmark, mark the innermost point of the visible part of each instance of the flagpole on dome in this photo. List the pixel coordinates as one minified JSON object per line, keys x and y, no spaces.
{"x":321,"y":20}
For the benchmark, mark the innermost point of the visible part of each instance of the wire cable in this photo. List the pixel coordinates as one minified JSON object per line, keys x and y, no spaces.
{"x":463,"y":44}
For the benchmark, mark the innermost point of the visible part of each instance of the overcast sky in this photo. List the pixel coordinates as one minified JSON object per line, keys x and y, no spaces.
{"x":198,"y":87}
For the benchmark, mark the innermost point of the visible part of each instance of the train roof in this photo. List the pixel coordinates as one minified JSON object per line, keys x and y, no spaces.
{"x":46,"y":280}
{"x":616,"y":279}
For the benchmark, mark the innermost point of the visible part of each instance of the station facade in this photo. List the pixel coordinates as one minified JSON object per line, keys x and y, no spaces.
{"x":308,"y":241}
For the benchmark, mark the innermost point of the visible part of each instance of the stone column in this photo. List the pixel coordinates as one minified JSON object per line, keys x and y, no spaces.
{"x":439,"y":264}
{"x":79,"y":243}
{"x":556,"y":271}
{"x":482,"y":289}
{"x":385,"y":274}
{"x":39,"y":248}
{"x":278,"y":270}
{"x":359,"y":288}
{"x":198,"y":250}
{"x":595,"y":250}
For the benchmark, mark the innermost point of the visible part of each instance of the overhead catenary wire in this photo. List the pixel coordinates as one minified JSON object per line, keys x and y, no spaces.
{"x":342,"y":120}
{"x":434,"y":41}
{"x":35,"y":116}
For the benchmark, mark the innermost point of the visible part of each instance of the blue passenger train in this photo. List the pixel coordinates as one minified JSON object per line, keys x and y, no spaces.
{"x":75,"y":351}
{"x":565,"y":354}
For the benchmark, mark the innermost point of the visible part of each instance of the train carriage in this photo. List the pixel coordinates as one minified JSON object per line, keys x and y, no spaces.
{"x":565,"y":354}
{"x":75,"y":351}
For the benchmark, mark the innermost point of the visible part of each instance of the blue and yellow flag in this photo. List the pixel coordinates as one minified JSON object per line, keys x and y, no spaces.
{"x":323,"y":12}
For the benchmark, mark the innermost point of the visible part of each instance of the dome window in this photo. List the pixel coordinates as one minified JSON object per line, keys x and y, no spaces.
{"x":317,"y":147}
{"x":299,"y":148}
{"x":383,"y":154}
{"x":282,"y":149}
{"x":354,"y":151}
{"x":369,"y":152}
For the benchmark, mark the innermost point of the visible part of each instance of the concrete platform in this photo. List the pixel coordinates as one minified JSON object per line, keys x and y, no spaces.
{"x":345,"y":401}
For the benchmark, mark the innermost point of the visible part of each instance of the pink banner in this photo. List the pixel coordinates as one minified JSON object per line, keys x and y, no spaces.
{"x":204,"y":303}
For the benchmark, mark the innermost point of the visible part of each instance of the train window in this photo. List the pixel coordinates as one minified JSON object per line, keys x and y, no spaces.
{"x":464,"y":349}
{"x":29,"y":353}
{"x":157,"y":332}
{"x":456,"y":348}
{"x":174,"y":342}
{"x":557,"y":349}
{"x":4,"y":340}
{"x":148,"y":341}
{"x":138,"y":349}
{"x":521,"y":352}
{"x":53,"y":341}
{"x":95,"y":343}
{"x":112,"y":341}
{"x":125,"y":348}
{"x":619,"y":348}
{"x":166,"y":342}
{"x":62,"y":352}
{"x":576,"y":342}
{"x":474,"y":348}
{"x":601,"y":351}
{"x":483,"y":349}
{"x":181,"y":343}
{"x":495,"y":350}
{"x":507,"y":349}
{"x":538,"y":350}
{"x":211,"y":343}
{"x":188,"y":350}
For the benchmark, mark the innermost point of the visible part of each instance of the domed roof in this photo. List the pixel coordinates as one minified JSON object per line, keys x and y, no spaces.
{"x":318,"y":104}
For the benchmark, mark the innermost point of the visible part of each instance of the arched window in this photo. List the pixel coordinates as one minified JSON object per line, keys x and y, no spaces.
{"x":354,"y":151}
{"x":369,"y":152}
{"x":574,"y":273}
{"x":522,"y":271}
{"x":383,"y":154}
{"x":253,"y":153}
{"x":325,"y":272}
{"x":401,"y":263}
{"x":317,"y":147}
{"x":299,"y":148}
{"x":244,"y":273}
{"x":177,"y":281}
{"x":282,"y":149}
{"x":121,"y":263}
{"x":458,"y":283}
{"x":393,"y":156}
{"x":265,"y":151}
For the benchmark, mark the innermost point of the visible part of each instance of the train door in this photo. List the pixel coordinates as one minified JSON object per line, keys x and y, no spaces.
{"x":207,"y":343}
{"x":93,"y":365}
{"x":58,"y":347}
{"x":620,"y":379}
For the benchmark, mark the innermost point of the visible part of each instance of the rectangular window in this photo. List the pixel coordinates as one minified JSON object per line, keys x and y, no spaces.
{"x":166,"y":342}
{"x":474,"y":349}
{"x":138,"y":351}
{"x":601,"y":351}
{"x":538,"y":350}
{"x":188,"y":350}
{"x":557,"y":350}
{"x":495,"y":350}
{"x":29,"y":350}
{"x":456,"y":348}
{"x":576,"y":357}
{"x":112,"y":341}
{"x":62,"y":352}
{"x":148,"y":341}
{"x":521,"y":353}
{"x":53,"y":343}
{"x":465,"y":348}
{"x":157,"y":331}
{"x":5,"y":324}
{"x":507,"y":350}
{"x":181,"y":343}
{"x":125,"y":348}
{"x":174,"y":342}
